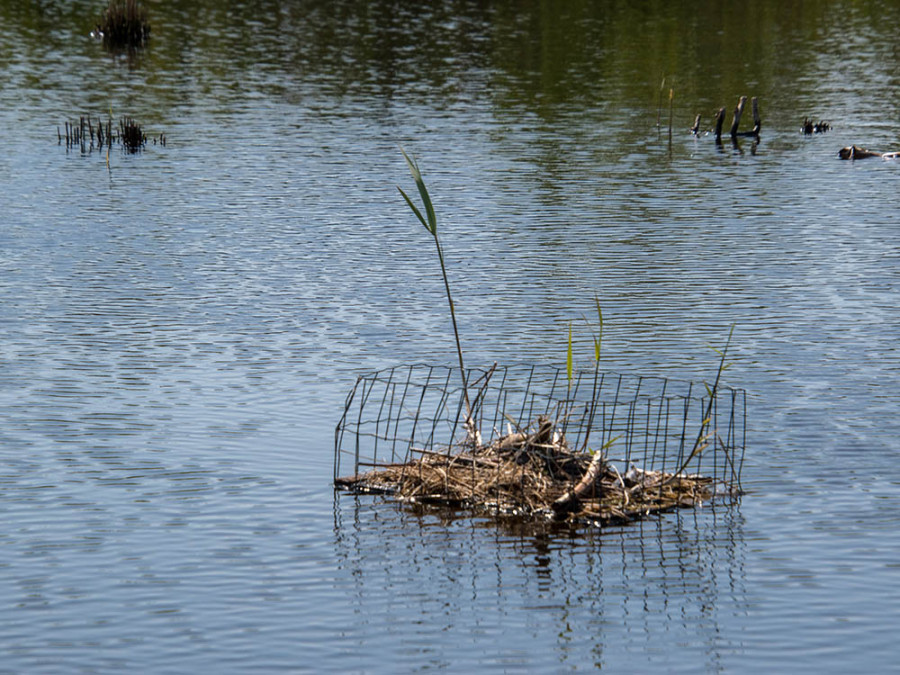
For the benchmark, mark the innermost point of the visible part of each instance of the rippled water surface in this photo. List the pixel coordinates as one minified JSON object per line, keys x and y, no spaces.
{"x":179,"y":329}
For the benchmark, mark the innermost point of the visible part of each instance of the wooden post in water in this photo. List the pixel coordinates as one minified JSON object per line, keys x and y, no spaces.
{"x":754,"y":104}
{"x":738,"y":111}
{"x":720,"y":120}
{"x":696,"y":128}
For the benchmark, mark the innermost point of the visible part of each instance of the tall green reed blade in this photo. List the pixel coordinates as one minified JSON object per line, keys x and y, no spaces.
{"x":429,"y":221}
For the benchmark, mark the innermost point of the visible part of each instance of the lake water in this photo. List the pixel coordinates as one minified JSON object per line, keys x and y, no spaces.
{"x":179,"y":329}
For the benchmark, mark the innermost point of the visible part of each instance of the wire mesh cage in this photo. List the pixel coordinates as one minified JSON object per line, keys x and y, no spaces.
{"x":396,"y":415}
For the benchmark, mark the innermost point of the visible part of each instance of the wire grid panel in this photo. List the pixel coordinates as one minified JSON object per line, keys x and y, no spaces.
{"x":654,"y":423}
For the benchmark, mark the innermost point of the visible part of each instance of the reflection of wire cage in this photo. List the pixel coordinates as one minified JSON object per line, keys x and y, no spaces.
{"x":656,"y":423}
{"x":682,"y":580}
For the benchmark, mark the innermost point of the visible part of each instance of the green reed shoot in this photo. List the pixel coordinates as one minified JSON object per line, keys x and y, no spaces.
{"x":597,"y":339}
{"x":429,"y":221}
{"x":704,"y":433}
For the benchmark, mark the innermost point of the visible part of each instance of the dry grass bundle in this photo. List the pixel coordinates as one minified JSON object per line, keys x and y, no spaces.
{"x":534,"y":474}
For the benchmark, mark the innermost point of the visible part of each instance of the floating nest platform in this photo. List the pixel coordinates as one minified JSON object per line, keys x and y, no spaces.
{"x":660,"y":444}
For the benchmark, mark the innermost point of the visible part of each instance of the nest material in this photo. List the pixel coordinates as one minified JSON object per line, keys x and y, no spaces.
{"x":533,"y":474}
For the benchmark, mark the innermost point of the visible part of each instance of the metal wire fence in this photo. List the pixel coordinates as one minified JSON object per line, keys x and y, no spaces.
{"x":655,"y":423}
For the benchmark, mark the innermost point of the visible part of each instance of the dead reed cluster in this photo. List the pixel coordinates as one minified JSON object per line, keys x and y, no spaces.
{"x":88,"y":134}
{"x":534,"y":474}
{"x":133,"y":138}
{"x":124,"y":24}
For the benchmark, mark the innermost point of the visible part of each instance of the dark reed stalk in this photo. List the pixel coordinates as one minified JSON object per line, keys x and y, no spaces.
{"x":659,"y":104}
{"x":671,"y":112}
